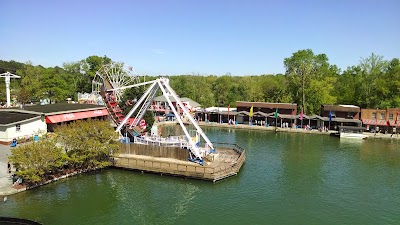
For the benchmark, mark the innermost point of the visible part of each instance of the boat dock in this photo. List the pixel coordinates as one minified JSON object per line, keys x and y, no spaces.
{"x":226,"y":162}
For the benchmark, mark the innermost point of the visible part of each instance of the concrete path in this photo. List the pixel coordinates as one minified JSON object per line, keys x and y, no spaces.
{"x":6,"y":185}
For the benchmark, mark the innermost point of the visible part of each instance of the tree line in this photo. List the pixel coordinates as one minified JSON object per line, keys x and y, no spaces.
{"x":309,"y":80}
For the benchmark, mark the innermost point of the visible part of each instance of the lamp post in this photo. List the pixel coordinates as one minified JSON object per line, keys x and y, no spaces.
{"x":7,"y":75}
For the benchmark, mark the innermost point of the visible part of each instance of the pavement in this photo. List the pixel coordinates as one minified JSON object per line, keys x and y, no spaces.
{"x":6,"y":184}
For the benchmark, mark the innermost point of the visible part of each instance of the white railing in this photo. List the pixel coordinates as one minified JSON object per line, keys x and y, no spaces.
{"x":173,"y":141}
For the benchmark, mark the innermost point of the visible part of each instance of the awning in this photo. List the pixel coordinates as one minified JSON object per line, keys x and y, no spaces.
{"x":379,"y":122}
{"x":75,"y":116}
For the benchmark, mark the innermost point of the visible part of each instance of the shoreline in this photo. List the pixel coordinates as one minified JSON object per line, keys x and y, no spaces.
{"x":290,"y":130}
{"x":10,"y":190}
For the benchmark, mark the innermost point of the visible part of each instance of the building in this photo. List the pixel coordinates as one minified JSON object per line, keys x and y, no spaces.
{"x":216,"y":114}
{"x":381,"y":119}
{"x":339,"y":115}
{"x":17,"y":124}
{"x":262,"y":111}
{"x":39,"y":119}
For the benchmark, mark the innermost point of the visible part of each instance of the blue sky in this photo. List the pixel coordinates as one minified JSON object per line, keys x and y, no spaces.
{"x":207,"y":37}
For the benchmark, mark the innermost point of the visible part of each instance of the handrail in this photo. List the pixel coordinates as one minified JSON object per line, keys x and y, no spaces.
{"x":180,"y":141}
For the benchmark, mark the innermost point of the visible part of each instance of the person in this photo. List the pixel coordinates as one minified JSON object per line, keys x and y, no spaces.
{"x":9,"y":167}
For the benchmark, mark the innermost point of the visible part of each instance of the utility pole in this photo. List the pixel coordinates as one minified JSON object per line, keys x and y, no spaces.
{"x":7,"y":75}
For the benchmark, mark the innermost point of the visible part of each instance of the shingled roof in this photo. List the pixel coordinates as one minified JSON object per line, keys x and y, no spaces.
{"x":267,"y":105}
{"x":10,"y":117}
{"x":50,"y":109}
{"x":341,"y":108}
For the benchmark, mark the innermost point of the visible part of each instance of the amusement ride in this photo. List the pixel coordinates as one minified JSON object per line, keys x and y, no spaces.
{"x":110,"y":82}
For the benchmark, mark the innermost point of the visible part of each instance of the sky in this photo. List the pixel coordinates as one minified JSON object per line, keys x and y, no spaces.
{"x":172,"y":37}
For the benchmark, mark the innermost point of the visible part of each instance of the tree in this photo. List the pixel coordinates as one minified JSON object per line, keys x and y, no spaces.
{"x":393,"y":83}
{"x":23,"y":96}
{"x":75,"y":76}
{"x":89,"y":67}
{"x":274,"y":89}
{"x":54,"y":84}
{"x":88,"y":144}
{"x":309,"y":75}
{"x":373,"y":85}
{"x":35,"y":160}
{"x":30,"y":80}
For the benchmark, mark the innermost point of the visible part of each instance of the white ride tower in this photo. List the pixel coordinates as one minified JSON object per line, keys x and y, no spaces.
{"x":7,"y":75}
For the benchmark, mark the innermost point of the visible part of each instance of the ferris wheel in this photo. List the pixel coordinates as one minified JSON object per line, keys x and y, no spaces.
{"x":117,"y":74}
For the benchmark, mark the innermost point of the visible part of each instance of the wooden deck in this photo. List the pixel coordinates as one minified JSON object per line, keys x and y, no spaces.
{"x":224,"y":163}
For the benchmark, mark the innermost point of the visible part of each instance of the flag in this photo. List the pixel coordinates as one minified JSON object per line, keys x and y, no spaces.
{"x":301,"y":115}
{"x":388,"y":123}
{"x":276,"y":113}
{"x":395,"y":120}
{"x":229,"y":106}
{"x":330,"y":116}
{"x":251,"y":112}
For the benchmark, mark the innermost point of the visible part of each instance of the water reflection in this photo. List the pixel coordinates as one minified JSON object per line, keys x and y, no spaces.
{"x":382,"y":151}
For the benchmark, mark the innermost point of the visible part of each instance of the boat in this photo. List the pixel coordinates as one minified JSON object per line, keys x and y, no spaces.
{"x":351,"y":132}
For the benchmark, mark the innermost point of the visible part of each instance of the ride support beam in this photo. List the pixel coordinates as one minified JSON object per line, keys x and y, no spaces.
{"x":198,"y":128}
{"x":145,"y":106}
{"x":194,"y":149}
{"x":135,"y":107}
{"x":133,"y":85}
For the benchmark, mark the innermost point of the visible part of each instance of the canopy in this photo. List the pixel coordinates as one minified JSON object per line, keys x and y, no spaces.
{"x":75,"y":116}
{"x":379,"y":122}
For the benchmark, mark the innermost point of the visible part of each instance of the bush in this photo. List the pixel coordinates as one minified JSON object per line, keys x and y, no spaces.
{"x":35,"y":160}
{"x":88,"y":144}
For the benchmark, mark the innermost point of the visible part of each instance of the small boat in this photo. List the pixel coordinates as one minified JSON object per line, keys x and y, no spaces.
{"x":351,"y":132}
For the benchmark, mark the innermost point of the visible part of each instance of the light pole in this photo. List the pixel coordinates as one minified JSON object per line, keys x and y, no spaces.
{"x":7,"y":75}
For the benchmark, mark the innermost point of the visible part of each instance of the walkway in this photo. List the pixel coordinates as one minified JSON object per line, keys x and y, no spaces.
{"x":271,"y":128}
{"x":6,"y":187}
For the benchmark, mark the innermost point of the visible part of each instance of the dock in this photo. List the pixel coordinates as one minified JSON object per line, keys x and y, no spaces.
{"x":226,"y":162}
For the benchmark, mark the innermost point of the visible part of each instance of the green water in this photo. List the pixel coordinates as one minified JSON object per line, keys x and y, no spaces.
{"x":287,"y":179}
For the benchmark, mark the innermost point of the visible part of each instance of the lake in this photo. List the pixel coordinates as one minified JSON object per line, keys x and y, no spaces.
{"x":288,"y":178}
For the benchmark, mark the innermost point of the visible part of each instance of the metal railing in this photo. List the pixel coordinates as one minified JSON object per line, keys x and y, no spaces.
{"x":233,"y":146}
{"x":173,"y":141}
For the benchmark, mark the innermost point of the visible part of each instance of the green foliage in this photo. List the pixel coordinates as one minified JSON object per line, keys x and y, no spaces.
{"x":84,"y":145}
{"x":88,"y":68}
{"x":373,"y":83}
{"x":35,"y":160}
{"x":88,"y":144}
{"x":310,"y":80}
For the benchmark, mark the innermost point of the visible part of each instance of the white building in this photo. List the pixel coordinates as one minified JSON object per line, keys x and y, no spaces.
{"x":18,"y":124}
{"x":39,"y":119}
